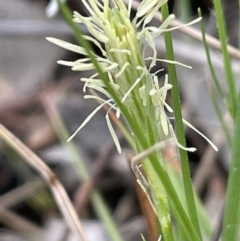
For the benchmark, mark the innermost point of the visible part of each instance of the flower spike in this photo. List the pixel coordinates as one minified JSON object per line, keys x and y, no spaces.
{"x":123,"y":47}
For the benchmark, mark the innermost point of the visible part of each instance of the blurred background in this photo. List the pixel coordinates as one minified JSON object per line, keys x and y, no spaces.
{"x":36,"y":95}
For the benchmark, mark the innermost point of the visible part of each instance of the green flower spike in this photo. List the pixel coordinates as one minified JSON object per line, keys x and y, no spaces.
{"x":124,"y":62}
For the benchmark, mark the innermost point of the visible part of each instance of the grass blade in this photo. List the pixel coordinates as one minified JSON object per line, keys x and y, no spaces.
{"x":180,"y":129}
{"x":217,"y":84}
{"x":215,"y":79}
{"x":231,"y":215}
{"x":232,"y":91}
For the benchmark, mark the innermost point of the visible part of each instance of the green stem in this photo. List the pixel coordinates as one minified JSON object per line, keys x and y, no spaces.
{"x":220,"y":117}
{"x":217,"y":84}
{"x":226,"y":58}
{"x":180,"y":129}
{"x":185,"y":8}
{"x":231,"y":215}
{"x":215,"y":79}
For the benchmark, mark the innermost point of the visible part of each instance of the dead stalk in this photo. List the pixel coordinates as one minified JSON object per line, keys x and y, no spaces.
{"x":55,"y":186}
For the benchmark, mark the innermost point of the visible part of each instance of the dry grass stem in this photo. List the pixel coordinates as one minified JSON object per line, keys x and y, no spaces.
{"x":82,"y":195}
{"x":146,"y":207}
{"x":17,"y":223}
{"x":55,"y":186}
{"x":21,"y":193}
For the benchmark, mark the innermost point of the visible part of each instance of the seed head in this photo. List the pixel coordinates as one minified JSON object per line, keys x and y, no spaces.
{"x":122,"y":58}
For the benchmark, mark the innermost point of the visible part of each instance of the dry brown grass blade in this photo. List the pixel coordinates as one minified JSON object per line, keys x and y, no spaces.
{"x":213,"y":42}
{"x":146,"y":207}
{"x":55,"y":186}
{"x":21,"y":193}
{"x":18,"y":223}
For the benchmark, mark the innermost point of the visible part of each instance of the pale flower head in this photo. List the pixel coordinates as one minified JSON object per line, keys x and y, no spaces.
{"x":123,"y":60}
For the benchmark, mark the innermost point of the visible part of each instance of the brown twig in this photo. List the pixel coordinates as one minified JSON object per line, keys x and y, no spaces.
{"x":14,"y":107}
{"x":82,"y":194}
{"x":21,"y":193}
{"x":207,"y":162}
{"x":146,"y":207}
{"x":55,"y":186}
{"x":17,"y":223}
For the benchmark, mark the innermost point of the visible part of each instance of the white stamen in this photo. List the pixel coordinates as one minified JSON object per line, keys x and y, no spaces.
{"x":83,"y":67}
{"x":156,"y":33}
{"x":110,"y":77}
{"x":192,"y":127}
{"x":113,"y":134}
{"x":145,"y":6}
{"x":190,"y":149}
{"x":87,"y":120}
{"x":167,"y":106}
{"x":122,"y":70}
{"x":142,"y":93}
{"x":111,"y":67}
{"x":164,"y":122}
{"x":118,"y":112}
{"x":170,"y":62}
{"x":129,"y":7}
{"x":68,"y":46}
{"x":151,"y":43}
{"x":87,"y":80}
{"x":95,"y":97}
{"x":66,"y":63}
{"x":151,"y":14}
{"x":164,"y":93}
{"x":156,"y":72}
{"x":72,"y":63}
{"x":133,"y":86}
{"x":100,"y":89}
{"x":121,"y":51}
{"x":89,"y":38}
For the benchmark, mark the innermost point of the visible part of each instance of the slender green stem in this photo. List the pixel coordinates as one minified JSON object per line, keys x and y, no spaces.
{"x":160,"y":200}
{"x":217,"y":84}
{"x":180,"y":129}
{"x":232,"y":91}
{"x":172,"y":196}
{"x":184,"y":6}
{"x":220,"y":117}
{"x":215,"y":79}
{"x":231,"y":215}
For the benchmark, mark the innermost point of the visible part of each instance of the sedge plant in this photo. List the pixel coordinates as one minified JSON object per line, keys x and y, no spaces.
{"x":132,"y":90}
